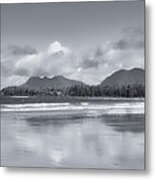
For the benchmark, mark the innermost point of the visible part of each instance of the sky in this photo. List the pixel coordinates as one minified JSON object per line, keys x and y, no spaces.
{"x":84,"y":41}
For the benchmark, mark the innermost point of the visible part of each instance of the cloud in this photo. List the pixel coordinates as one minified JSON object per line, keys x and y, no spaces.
{"x":18,"y":62}
{"x":20,"y":51}
{"x":57,"y":59}
{"x":11,"y":55}
{"x":125,"y":53}
{"x":93,"y":60}
{"x":57,"y":49}
{"x":133,"y":38}
{"x":91,"y":67}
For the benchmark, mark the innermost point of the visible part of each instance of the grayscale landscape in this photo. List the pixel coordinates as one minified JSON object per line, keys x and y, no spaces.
{"x":73,"y":85}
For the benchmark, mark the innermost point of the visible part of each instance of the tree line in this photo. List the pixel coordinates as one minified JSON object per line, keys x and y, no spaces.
{"x":136,"y":90}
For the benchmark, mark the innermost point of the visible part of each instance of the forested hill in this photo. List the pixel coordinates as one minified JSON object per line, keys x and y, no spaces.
{"x":57,"y":82}
{"x":123,"y":83}
{"x":125,"y":77}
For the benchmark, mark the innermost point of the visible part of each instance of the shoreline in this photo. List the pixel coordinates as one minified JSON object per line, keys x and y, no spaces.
{"x":62,"y":99}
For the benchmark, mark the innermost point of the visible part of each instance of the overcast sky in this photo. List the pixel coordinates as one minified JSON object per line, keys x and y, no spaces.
{"x":82,"y":41}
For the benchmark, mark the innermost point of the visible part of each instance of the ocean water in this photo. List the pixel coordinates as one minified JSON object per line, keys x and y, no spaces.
{"x":101,"y":134}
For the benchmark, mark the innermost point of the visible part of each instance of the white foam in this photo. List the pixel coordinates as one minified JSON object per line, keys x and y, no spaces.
{"x":19,"y":97}
{"x":37,"y":105}
{"x":115,"y":108}
{"x":84,"y":103}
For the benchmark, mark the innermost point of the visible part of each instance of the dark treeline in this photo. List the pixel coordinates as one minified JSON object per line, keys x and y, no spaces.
{"x":136,"y":90}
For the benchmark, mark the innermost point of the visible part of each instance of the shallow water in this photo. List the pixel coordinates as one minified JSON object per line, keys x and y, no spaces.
{"x":79,"y":135}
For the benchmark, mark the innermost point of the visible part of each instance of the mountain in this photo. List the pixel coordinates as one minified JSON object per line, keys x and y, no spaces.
{"x":125,"y":77}
{"x":57,"y":82}
{"x":36,"y":86}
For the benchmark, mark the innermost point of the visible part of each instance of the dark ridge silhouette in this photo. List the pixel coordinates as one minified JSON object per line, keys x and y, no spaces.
{"x":123,"y":83}
{"x":125,"y":77}
{"x":57,"y":82}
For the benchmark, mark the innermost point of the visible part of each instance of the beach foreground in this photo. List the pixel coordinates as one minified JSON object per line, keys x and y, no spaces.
{"x":107,"y":133}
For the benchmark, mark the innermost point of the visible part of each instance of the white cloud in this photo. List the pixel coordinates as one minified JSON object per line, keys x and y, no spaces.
{"x":56,"y":60}
{"x":18,"y":64}
{"x":56,"y":47}
{"x":126,"y":53}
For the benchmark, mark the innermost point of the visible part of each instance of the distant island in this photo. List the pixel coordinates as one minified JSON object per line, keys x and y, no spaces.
{"x":122,"y":83}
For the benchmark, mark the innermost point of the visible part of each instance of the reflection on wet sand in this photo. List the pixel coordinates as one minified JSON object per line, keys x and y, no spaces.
{"x":73,"y":140}
{"x":126,"y":123}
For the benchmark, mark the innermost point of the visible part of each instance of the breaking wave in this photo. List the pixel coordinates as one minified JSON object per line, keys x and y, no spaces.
{"x":109,"y":108}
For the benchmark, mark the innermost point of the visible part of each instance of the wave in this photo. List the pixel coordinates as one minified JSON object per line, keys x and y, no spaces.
{"x":20,"y":97}
{"x":37,"y":105}
{"x":84,"y":103}
{"x":108,"y":108}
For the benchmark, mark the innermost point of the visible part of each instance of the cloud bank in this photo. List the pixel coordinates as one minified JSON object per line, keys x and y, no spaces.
{"x":91,"y":67}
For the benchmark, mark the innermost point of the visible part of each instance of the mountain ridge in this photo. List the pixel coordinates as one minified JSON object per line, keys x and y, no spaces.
{"x":56,"y":82}
{"x":119,"y":78}
{"x":125,"y":77}
{"x":122,"y":83}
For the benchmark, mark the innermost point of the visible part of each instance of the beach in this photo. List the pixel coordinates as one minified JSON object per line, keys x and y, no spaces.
{"x":103,"y":133}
